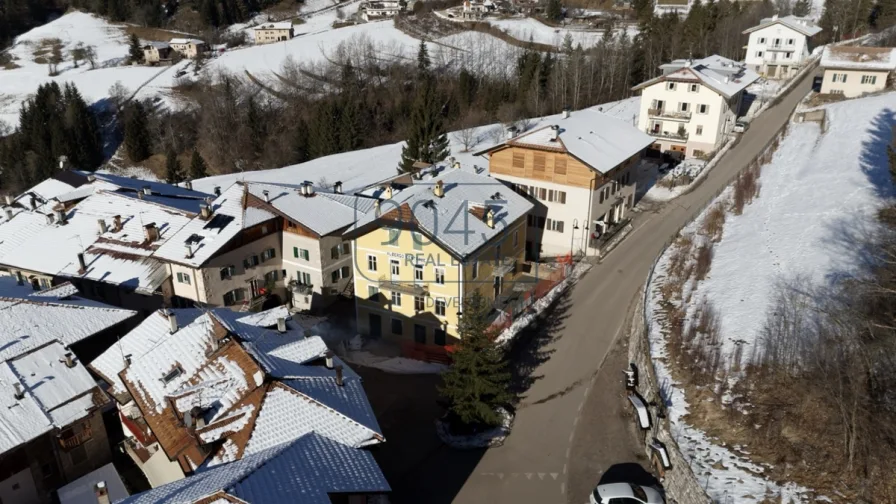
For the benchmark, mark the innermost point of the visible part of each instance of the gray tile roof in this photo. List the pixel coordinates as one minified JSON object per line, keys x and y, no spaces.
{"x":323,"y":212}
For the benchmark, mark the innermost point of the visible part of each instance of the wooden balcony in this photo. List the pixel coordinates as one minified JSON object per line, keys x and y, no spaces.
{"x":67,"y":443}
{"x":669,"y":115}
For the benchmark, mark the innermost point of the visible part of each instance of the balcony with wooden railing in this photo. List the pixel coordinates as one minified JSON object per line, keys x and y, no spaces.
{"x":75,"y":440}
{"x":678,"y":135}
{"x":671,"y":115}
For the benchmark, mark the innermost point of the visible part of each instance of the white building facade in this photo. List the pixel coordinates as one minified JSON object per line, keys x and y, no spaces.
{"x":779,"y":46}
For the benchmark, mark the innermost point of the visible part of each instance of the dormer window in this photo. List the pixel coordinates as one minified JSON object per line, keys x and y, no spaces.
{"x":670,"y":86}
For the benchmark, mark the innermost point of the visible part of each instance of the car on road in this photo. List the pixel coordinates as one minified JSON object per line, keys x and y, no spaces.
{"x":625,"y":493}
{"x":741,"y":126}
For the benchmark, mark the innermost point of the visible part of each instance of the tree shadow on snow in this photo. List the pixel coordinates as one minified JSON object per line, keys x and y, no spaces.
{"x":110,"y":129}
{"x":873,"y":159}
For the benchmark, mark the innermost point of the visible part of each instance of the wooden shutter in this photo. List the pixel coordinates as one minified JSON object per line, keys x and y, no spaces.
{"x":538,"y":162}
{"x":560,"y":165}
{"x":519,"y":160}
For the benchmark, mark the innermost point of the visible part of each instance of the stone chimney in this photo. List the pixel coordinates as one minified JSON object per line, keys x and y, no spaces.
{"x":19,"y":392}
{"x":101,"y":223}
{"x":438,"y":190}
{"x":267,"y":196}
{"x":172,"y":322}
{"x":337,"y":187}
{"x":151,"y":232}
{"x":189,"y":247}
{"x":205,"y":211}
{"x":69,"y":360}
{"x":555,"y":132}
{"x":116,"y":223}
{"x":102,"y":493}
{"x":281,"y":325}
{"x":339,"y":380}
{"x":82,"y":264}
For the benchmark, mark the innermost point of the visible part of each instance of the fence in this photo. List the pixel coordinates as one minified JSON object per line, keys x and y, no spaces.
{"x":541,"y":287}
{"x":429,"y":353}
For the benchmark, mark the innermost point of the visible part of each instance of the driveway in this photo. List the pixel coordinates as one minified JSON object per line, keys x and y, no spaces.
{"x":560,"y":358}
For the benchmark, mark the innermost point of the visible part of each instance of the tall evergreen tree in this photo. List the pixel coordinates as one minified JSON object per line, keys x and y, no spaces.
{"x":85,"y":144}
{"x":198,"y":168}
{"x":173,"y":172}
{"x":802,"y":8}
{"x":477,"y":382}
{"x":135,"y":52}
{"x":427,"y":141}
{"x":256,"y":125}
{"x":423,"y":61}
{"x":554,"y":11}
{"x":209,"y":12}
{"x":136,"y":132}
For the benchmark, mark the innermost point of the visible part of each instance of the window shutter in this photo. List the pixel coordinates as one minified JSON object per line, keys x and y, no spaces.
{"x":538,"y":162}
{"x":560,"y":165}
{"x":519,"y":160}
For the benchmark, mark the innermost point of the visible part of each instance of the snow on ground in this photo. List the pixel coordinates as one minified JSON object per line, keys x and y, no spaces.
{"x":527,"y":28}
{"x":817,"y":188}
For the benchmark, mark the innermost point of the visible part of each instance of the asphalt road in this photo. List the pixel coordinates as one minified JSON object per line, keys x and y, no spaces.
{"x":561,"y":357}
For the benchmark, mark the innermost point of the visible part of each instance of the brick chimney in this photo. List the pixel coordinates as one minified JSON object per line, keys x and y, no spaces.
{"x":205,"y":211}
{"x":60,"y":217}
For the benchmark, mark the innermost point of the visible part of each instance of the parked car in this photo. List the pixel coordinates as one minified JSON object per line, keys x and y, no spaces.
{"x":741,"y":126}
{"x":625,"y":493}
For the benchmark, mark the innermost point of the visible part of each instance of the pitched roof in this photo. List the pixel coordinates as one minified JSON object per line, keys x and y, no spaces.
{"x":303,"y":471}
{"x":722,"y":75}
{"x":598,"y":140}
{"x":185,"y":41}
{"x":860,"y":58}
{"x":230,"y":216}
{"x":281,"y":25}
{"x":447,"y":220}
{"x":803,"y":25}
{"x":81,"y":490}
{"x":322,"y":212}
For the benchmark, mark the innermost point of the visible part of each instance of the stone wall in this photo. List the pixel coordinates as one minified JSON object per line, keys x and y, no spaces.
{"x":678,"y":480}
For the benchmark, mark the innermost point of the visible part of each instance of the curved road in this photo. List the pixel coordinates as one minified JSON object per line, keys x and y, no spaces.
{"x":534,"y":463}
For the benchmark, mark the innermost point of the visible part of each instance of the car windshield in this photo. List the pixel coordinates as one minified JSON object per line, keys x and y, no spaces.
{"x":639,"y":493}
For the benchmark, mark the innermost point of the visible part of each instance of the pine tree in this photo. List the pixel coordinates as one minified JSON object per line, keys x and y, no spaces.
{"x":423,"y":61}
{"x":135,"y":52}
{"x":477,"y":382}
{"x":256,"y":124}
{"x":427,"y":141}
{"x":173,"y":172}
{"x":554,"y":10}
{"x":210,"y":12}
{"x":300,"y":142}
{"x":136,"y":133}
{"x":85,"y":144}
{"x":198,"y":168}
{"x":801,"y":8}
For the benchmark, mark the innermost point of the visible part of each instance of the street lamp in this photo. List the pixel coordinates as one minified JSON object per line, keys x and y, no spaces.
{"x":575,"y":225}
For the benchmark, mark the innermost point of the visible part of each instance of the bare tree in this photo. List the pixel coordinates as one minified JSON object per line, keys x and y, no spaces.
{"x":119,"y":95}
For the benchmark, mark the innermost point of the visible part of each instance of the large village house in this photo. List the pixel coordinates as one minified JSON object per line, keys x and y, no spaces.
{"x":51,"y":424}
{"x":268,"y":33}
{"x":579,"y":173}
{"x":188,"y":48}
{"x":855,"y":71}
{"x":779,"y":46}
{"x":156,"y":52}
{"x":693,"y":106}
{"x":198,"y":389}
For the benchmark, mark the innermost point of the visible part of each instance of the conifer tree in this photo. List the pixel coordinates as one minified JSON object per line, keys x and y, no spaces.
{"x":256,"y":125}
{"x":173,"y":172}
{"x":554,"y":10}
{"x":423,"y":61}
{"x":198,"y":168}
{"x":135,"y":52}
{"x":210,"y":12}
{"x":136,"y":133}
{"x":477,"y":382}
{"x":427,"y":141}
{"x":801,"y":8}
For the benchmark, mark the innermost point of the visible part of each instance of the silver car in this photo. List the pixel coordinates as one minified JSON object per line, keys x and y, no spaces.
{"x":625,"y":493}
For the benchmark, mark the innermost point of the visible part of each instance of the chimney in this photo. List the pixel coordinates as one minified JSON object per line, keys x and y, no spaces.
{"x":50,"y":218}
{"x":456,"y":165}
{"x":69,"y":360}
{"x":775,"y":17}
{"x":387,"y":192}
{"x":439,"y":189}
{"x":307,"y":188}
{"x":337,"y":188}
{"x":20,"y":280}
{"x":102,"y":493}
{"x":33,"y":202}
{"x":127,"y":361}
{"x":151,"y":232}
{"x":566,"y":112}
{"x":189,"y":184}
{"x":20,"y":393}
{"x":91,"y":178}
{"x":510,"y":132}
{"x":328,"y":359}
{"x":555,"y":132}
{"x":339,"y":380}
{"x":267,"y":196}
{"x":217,"y":190}
{"x":490,"y":218}
{"x":205,"y":211}
{"x":101,"y":223}
{"x":60,"y":217}
{"x":172,"y":322}
{"x":140,"y":195}
{"x":8,"y":212}
{"x":82,"y":265}
{"x":189,"y":247}
{"x":9,"y":199}
{"x":147,"y":190}
{"x":376,"y":208}
{"x":116,"y":223}
{"x":281,"y":325}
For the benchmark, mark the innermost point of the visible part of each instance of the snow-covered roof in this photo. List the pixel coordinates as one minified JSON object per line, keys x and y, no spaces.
{"x":803,"y":25}
{"x":155,"y":44}
{"x":229,"y":217}
{"x":444,"y":219}
{"x":81,"y":491}
{"x":281,"y":25}
{"x":722,"y":75}
{"x":185,"y":41}
{"x":859,"y":58}
{"x":322,"y":212}
{"x":598,"y":140}
{"x":303,"y":471}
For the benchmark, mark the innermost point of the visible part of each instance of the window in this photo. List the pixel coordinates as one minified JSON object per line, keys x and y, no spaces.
{"x":761,"y":40}
{"x":519,"y":160}
{"x":561,"y":197}
{"x":758,"y":54}
{"x":419,"y":303}
{"x":440,"y":307}
{"x":303,"y":278}
{"x":438,"y":337}
{"x":418,"y":273}
{"x":420,"y":334}
{"x":346,"y":271}
{"x":788,"y":55}
{"x":227,"y":272}
{"x":670,"y":86}
{"x":235,"y":296}
{"x":346,"y":248}
{"x":393,"y":237}
{"x":44,"y":284}
{"x":172,"y":375}
{"x":869,"y":79}
{"x":271,"y":276}
{"x":538,"y":162}
{"x":777,"y":42}
{"x":542,"y":193}
{"x":397,"y":326}
{"x":371,"y":262}
{"x":183,"y":278}
{"x":417,"y":238}
{"x":268,"y":254}
{"x":560,"y":165}
{"x":554,"y":225}
{"x":440,"y":275}
{"x":838,"y":77}
{"x":698,"y":153}
{"x":557,"y":196}
{"x":699,"y":131}
{"x":334,"y":252}
{"x":475,"y":267}
{"x":304,"y":254}
{"x":396,"y":298}
{"x":684,"y":106}
{"x":334,"y":276}
{"x":394,"y":268}
{"x":601,"y":199}
{"x":790,"y":41}
{"x":372,"y":292}
{"x":702,"y":108}
{"x":250,"y":262}
{"x":694,"y":88}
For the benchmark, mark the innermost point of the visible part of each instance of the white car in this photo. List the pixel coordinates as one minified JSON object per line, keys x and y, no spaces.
{"x":741,"y":126}
{"x":625,"y":493}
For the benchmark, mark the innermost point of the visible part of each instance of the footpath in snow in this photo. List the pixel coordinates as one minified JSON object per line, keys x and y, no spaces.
{"x":819,"y":188}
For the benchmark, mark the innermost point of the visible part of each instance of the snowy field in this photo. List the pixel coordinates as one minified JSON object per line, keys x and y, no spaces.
{"x":818,"y":189}
{"x":527,"y":28}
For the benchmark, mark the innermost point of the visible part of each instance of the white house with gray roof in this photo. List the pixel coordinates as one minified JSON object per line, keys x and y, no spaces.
{"x":779,"y":46}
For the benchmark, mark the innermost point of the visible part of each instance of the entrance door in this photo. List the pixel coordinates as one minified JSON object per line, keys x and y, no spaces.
{"x":375,"y":322}
{"x":498,"y":284}
{"x":394,"y":269}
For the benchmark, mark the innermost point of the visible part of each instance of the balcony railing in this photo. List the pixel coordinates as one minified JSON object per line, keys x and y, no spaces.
{"x":671,"y":135}
{"x":412,"y":288}
{"x":669,"y":114}
{"x":76,"y":440}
